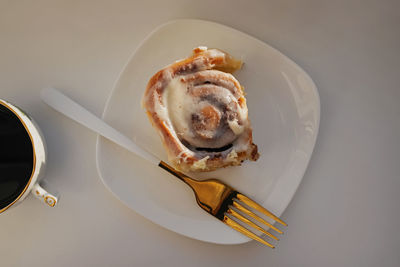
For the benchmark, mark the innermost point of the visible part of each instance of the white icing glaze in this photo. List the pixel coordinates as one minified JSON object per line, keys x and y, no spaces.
{"x":200,"y":164}
{"x":202,"y":48}
{"x":231,"y":156}
{"x":235,"y":127}
{"x":182,"y":156}
{"x":214,"y":53}
{"x":180,"y":105}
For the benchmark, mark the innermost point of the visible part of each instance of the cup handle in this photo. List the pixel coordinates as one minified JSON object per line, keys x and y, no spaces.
{"x":40,"y":193}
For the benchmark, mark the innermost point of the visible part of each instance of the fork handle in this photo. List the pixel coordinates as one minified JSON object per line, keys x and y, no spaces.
{"x":176,"y":173}
{"x":76,"y":112}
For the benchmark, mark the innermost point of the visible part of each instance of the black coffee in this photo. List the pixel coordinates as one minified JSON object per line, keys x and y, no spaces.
{"x":16,"y":157}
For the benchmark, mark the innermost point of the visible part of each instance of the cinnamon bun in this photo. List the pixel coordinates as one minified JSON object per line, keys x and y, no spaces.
{"x":200,"y":112}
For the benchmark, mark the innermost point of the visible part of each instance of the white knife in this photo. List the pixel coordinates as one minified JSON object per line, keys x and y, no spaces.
{"x":73,"y":110}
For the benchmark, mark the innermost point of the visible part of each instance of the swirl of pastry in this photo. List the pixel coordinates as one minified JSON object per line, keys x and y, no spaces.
{"x":200,"y":112}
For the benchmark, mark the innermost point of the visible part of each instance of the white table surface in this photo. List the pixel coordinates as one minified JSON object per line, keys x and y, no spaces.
{"x":346,"y":211}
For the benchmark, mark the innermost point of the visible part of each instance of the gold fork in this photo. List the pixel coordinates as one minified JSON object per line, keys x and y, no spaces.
{"x":215,"y":197}
{"x":225,"y":203}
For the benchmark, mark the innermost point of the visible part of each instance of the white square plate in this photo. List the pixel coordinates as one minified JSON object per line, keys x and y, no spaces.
{"x":284,"y":109}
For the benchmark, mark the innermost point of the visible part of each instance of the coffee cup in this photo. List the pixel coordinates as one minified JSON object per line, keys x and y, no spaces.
{"x":22,"y":158}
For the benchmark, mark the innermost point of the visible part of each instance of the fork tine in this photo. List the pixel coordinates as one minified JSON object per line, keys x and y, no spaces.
{"x":256,"y":206}
{"x":245,"y":220}
{"x":251,"y":214}
{"x":228,"y":221}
